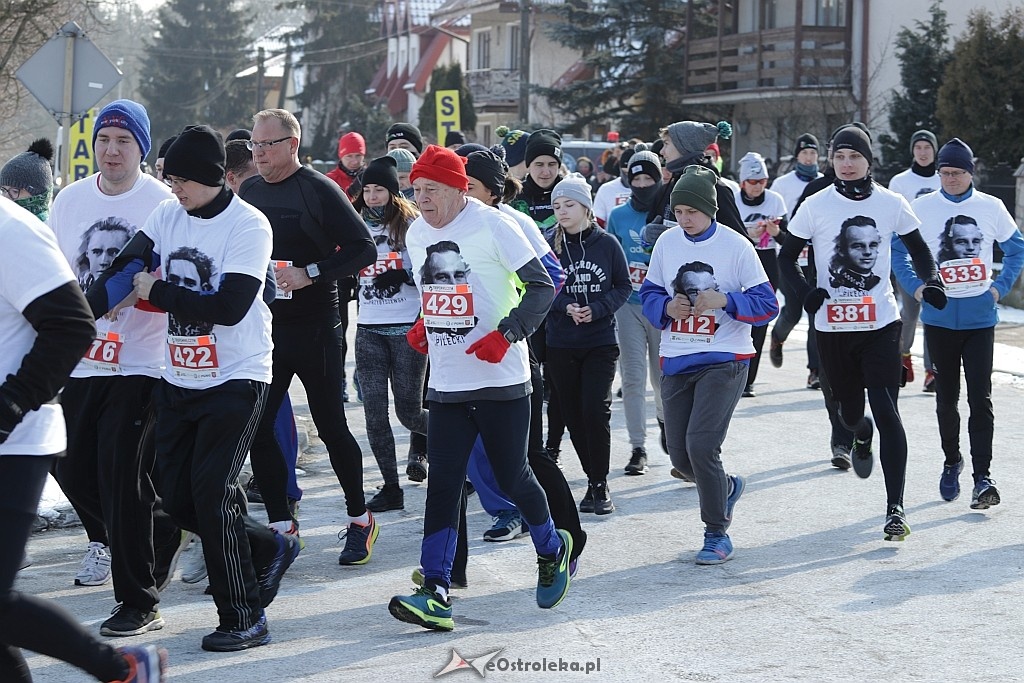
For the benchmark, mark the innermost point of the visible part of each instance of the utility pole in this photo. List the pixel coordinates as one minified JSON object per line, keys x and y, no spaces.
{"x":524,"y":61}
{"x":260,"y":56}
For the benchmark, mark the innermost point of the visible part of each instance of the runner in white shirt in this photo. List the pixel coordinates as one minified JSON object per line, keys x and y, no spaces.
{"x":213,"y":251}
{"x":615,"y":192}
{"x":852,"y":225}
{"x":45,"y":327}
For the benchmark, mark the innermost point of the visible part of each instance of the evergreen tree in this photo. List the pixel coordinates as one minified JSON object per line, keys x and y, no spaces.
{"x":634,"y":53}
{"x":341,"y":52}
{"x":447,"y":78}
{"x":982,"y":97}
{"x":189,"y":77}
{"x":923,"y":55}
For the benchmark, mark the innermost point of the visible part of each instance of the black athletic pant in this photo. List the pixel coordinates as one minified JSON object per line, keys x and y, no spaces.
{"x":312,"y":352}
{"x":28,"y":622}
{"x":583,"y":378}
{"x":974,"y":348}
{"x":855,"y":361}
{"x":108,"y":472}
{"x":202,"y":437}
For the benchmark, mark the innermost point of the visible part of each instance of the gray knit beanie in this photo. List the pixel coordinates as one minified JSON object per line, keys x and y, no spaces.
{"x":691,"y":137}
{"x":574,"y":187}
{"x":405,"y":159}
{"x":30,"y":170}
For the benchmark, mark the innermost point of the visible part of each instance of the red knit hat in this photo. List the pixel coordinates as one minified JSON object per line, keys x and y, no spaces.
{"x":351,"y":143}
{"x":441,"y":165}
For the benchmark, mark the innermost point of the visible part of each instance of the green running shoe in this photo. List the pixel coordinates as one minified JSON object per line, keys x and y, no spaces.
{"x":553,"y":575}
{"x":424,"y":608}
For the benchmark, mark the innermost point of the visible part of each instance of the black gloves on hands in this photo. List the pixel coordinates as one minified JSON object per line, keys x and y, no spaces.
{"x":814,"y":299}
{"x":10,"y":414}
{"x":391,"y":278}
{"x":934,"y":294}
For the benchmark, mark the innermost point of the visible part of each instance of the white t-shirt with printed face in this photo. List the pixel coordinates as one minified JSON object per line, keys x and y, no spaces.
{"x":961,"y":236}
{"x":608,"y":196}
{"x":91,"y":229}
{"x":913,"y":186}
{"x":754,"y":217}
{"x":196,"y":253}
{"x":852,"y":254}
{"x":392,"y":305}
{"x":725,"y":262}
{"x":37,"y":269}
{"x":466,"y":274}
{"x":791,"y":187}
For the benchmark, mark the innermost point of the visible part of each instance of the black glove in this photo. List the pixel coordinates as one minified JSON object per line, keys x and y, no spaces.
{"x":651,"y":232}
{"x":10,"y":414}
{"x":934,"y":294}
{"x":390,"y":278}
{"x":814,"y":299}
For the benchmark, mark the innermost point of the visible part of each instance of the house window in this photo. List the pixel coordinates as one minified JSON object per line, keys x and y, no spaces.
{"x":483,"y":49}
{"x":513,"y":47}
{"x":779,"y":13}
{"x":830,"y":13}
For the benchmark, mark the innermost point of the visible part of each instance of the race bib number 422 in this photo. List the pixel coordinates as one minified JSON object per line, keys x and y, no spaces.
{"x":851,"y":314}
{"x":194,"y":358}
{"x":448,"y":306}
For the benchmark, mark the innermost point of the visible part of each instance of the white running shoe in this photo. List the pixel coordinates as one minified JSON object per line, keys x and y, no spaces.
{"x":193,"y":568}
{"x":95,"y":567}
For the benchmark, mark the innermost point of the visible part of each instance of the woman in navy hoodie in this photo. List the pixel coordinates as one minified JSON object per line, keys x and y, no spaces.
{"x":582,"y":350}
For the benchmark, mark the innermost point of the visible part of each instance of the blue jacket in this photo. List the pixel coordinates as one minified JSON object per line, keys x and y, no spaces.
{"x":625,"y":224}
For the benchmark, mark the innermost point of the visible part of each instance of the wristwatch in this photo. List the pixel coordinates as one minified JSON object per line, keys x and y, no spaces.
{"x":509,"y":336}
{"x":313,"y":271}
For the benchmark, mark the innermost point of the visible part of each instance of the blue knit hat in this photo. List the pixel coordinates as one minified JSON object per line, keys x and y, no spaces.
{"x":956,"y":154}
{"x":129,"y":115}
{"x":514,"y":142}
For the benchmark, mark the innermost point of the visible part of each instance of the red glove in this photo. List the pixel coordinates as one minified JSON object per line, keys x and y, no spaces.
{"x":491,"y":347}
{"x":417,"y":337}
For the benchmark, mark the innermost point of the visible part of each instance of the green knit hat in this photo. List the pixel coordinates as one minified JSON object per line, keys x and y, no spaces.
{"x":696,"y":188}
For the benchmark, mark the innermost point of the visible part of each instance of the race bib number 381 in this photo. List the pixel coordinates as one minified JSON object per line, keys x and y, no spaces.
{"x":194,"y":358}
{"x":851,"y":314}
{"x":448,"y":306}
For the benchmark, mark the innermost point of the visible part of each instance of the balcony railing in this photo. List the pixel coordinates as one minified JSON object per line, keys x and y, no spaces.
{"x":494,"y":87}
{"x":794,"y":57}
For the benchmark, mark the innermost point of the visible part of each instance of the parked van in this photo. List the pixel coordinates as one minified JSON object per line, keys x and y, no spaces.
{"x":574,"y":149}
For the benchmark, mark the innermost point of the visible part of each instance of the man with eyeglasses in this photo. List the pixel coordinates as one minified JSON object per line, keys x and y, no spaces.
{"x":318,"y":238}
{"x":917,"y":181}
{"x":960,"y":225}
{"x":107,"y":473}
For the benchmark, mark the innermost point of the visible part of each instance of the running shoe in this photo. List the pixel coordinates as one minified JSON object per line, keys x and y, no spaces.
{"x":637,"y":462}
{"x":146,"y":663}
{"x":252,"y":491}
{"x":949,"y":482}
{"x":841,"y":457}
{"x":508,"y":525}
{"x":194,"y":568}
{"x":416,"y":468}
{"x":748,"y":392}
{"x":861,"y":454}
{"x":587,"y":504}
{"x":270,"y":578}
{"x":603,"y":504}
{"x":664,"y":439}
{"x":574,"y":568}
{"x":717,"y":548}
{"x":908,"y":367}
{"x":95,"y":567}
{"x":896,"y":527}
{"x":554,"y":454}
{"x":553,"y":575}
{"x":813,"y":381}
{"x":359,"y":540}
{"x":390,"y":497}
{"x":775,"y":352}
{"x":424,"y":608}
{"x":230,"y":640}
{"x":985,"y":494}
{"x":929,"y":382}
{"x":736,"y":486}
{"x":130,"y":621}
{"x":166,"y":558}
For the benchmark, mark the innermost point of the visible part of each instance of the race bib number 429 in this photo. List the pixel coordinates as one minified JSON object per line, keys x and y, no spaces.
{"x":194,"y":358}
{"x":448,"y":306}
{"x":850,"y":314}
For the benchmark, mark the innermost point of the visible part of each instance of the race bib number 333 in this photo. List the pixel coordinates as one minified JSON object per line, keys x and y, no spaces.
{"x":194,"y":358}
{"x":964,"y":275}
{"x":448,"y":306}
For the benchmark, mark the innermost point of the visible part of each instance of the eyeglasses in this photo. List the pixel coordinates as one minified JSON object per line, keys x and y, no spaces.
{"x":11,"y":192}
{"x":174,"y":182}
{"x":252,"y":146}
{"x":952,"y":175}
{"x":762,"y":181}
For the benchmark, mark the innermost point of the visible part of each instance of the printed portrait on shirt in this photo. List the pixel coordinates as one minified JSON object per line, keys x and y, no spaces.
{"x":961,"y":238}
{"x":856,"y":252}
{"x":693,"y":278}
{"x":192,"y":269}
{"x":445,"y":266}
{"x":101,"y":242}
{"x":374,"y":290}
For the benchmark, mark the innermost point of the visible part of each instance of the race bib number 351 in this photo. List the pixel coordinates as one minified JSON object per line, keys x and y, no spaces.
{"x":385,"y":262}
{"x":194,"y":358}
{"x":851,"y":314}
{"x":448,"y":306}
